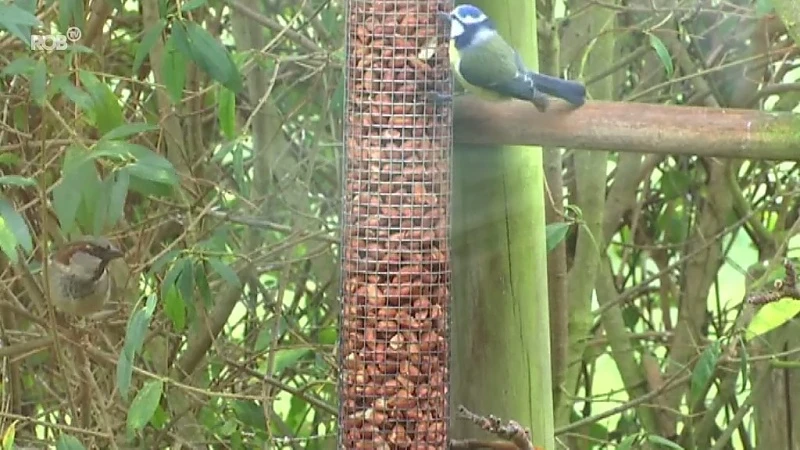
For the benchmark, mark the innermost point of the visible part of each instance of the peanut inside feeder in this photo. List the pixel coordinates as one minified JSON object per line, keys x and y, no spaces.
{"x":395,"y":260}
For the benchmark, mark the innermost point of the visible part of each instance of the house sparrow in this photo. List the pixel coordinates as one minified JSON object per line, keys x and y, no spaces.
{"x":78,"y":275}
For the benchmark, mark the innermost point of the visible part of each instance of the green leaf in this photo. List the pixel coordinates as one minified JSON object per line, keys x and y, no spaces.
{"x":226,"y":112}
{"x":160,"y":418}
{"x":174,"y":307}
{"x":771,"y":316}
{"x":102,"y":201}
{"x":250,"y":413}
{"x":297,"y":413}
{"x":675,"y":183}
{"x":78,"y":49}
{"x":627,"y":442}
{"x":18,"y":21}
{"x":124,"y":373}
{"x":76,"y":175}
{"x":227,"y":429}
{"x":208,"y":54}
{"x":555,"y":233}
{"x":14,"y":222}
{"x":106,"y":109}
{"x":146,"y":172}
{"x":149,"y":39}
{"x":703,"y":371}
{"x":39,"y":83}
{"x":289,"y":357}
{"x":339,"y":55}
{"x":663,"y":442}
{"x":118,"y":196}
{"x":174,"y":303}
{"x":144,"y":405}
{"x":174,"y":67}
{"x":224,"y":150}
{"x":142,"y":162}
{"x":201,"y":281}
{"x":763,"y":8}
{"x":8,"y":243}
{"x":329,"y":18}
{"x":93,"y":206}
{"x":128,"y":129}
{"x":28,"y":5}
{"x":21,"y":119}
{"x":192,"y":4}
{"x":166,"y":8}
{"x":743,"y":366}
{"x":150,"y":181}
{"x":135,"y":332}
{"x":239,"y":173}
{"x":9,"y":435}
{"x":328,"y":336}
{"x":11,"y":13}
{"x":174,"y":272}
{"x":224,"y":271}
{"x":23,"y":32}
{"x":597,"y":432}
{"x":185,"y":282}
{"x":150,"y":305}
{"x":180,"y":39}
{"x":24,"y":65}
{"x":631,"y":316}
{"x":123,"y":151}
{"x":16,"y":180}
{"x":672,"y":221}
{"x":69,"y":442}
{"x":70,"y":13}
{"x":662,"y":53}
{"x":265,"y":335}
{"x":336,"y":105}
{"x":134,"y":338}
{"x":9,"y":159}
{"x":162,"y":262}
{"x":77,"y":95}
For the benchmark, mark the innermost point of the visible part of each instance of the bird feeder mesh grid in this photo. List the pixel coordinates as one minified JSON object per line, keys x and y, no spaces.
{"x":395,"y":292}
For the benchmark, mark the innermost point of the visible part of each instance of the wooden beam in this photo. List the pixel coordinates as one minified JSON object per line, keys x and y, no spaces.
{"x":631,"y":127}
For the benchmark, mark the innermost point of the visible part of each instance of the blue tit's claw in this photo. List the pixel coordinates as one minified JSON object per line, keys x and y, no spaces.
{"x":541,"y":102}
{"x":439,"y":98}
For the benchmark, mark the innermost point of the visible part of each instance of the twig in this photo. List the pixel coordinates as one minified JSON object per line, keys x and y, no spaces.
{"x":786,"y":288}
{"x":519,"y":438}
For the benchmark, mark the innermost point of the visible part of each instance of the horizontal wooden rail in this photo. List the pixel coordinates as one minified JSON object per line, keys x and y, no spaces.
{"x":631,"y":127}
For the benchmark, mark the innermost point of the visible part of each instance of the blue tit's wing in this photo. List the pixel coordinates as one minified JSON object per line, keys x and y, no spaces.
{"x":571,"y":91}
{"x":492,"y":65}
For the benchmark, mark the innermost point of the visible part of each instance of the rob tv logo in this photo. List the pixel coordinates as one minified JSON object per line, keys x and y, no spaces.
{"x":50,"y":42}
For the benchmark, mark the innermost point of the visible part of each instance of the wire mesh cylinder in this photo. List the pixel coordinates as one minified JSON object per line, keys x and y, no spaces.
{"x":395,"y":292}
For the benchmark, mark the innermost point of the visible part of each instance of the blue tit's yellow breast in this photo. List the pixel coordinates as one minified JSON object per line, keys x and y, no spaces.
{"x":455,"y":61}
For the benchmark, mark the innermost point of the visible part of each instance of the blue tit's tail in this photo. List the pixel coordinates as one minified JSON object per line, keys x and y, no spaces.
{"x":571,"y":91}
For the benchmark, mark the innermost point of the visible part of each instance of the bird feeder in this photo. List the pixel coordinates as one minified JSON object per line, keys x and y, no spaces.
{"x":395,"y":291}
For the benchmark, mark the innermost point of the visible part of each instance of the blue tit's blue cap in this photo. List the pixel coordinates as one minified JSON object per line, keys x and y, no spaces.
{"x":469,"y":12}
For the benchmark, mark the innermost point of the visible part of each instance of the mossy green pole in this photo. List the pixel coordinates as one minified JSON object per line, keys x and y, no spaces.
{"x":500,"y":339}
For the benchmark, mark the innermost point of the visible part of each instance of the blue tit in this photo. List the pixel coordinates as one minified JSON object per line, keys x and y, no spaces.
{"x":487,"y":66}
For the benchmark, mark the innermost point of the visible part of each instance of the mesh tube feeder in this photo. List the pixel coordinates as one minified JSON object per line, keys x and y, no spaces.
{"x":395,"y":292}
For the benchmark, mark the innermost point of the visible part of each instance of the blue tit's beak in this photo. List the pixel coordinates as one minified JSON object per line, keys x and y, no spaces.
{"x":443,"y":15}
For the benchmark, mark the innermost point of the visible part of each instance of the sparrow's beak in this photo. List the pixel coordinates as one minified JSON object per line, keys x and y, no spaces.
{"x":113,"y":253}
